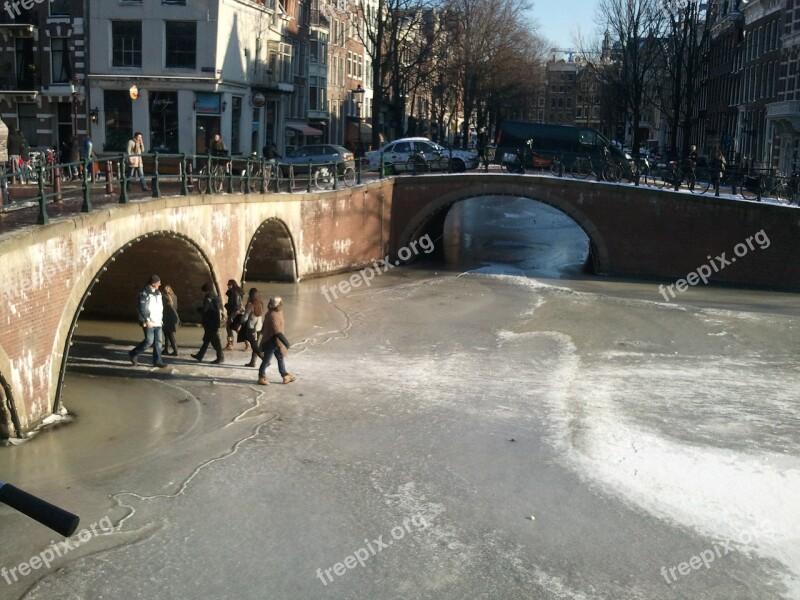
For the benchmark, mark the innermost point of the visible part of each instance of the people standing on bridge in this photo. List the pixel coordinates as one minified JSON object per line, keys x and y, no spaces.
{"x":211,"y":319}
{"x":135,"y":150}
{"x":274,"y":342}
{"x":75,"y":156}
{"x":271,"y":151}
{"x":252,"y":322}
{"x":234,"y":307}
{"x":171,"y":320}
{"x":691,"y":164}
{"x":151,"y":318}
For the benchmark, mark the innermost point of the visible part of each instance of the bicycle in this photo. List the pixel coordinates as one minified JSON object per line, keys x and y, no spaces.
{"x":515,"y":162}
{"x":770,"y":185}
{"x":212,"y":176}
{"x":697,"y":180}
{"x":418,"y":163}
{"x":608,"y":171}
{"x":254,"y":173}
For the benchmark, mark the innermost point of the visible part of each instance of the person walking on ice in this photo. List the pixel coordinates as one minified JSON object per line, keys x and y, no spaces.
{"x":274,"y":342}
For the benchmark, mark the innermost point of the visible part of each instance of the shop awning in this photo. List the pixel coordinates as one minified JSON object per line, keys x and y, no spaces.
{"x":304,"y":129}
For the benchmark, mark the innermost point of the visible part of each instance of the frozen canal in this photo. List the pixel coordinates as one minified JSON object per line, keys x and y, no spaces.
{"x":498,"y":427}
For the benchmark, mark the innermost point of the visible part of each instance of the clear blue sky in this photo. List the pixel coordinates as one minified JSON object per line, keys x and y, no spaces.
{"x":558,"y":19}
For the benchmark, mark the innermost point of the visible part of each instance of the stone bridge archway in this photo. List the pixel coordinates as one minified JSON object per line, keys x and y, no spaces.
{"x":271,"y":255}
{"x":431,"y":221}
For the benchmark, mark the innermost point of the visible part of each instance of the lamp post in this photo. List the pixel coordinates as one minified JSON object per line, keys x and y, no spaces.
{"x":74,"y":87}
{"x":358,"y":97}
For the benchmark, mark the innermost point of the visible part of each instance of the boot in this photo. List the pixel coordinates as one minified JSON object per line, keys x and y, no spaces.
{"x":229,"y":346}
{"x":252,"y":363}
{"x":263,"y":381}
{"x":289,"y":378}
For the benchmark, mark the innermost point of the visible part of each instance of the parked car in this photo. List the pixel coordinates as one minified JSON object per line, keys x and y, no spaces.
{"x":395,"y":155}
{"x":317,"y":154}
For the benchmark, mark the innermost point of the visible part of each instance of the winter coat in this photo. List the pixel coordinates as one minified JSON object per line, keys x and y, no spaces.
{"x":151,"y":306}
{"x":75,"y":151}
{"x":209,"y":312}
{"x":135,"y":149}
{"x":171,"y":319}
{"x":273,"y":328}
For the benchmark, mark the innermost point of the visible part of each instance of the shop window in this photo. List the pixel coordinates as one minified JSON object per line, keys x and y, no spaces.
{"x":119,"y":119}
{"x":164,"y":122}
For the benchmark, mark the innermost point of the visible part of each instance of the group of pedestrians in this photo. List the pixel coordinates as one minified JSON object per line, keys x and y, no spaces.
{"x":260,"y":327}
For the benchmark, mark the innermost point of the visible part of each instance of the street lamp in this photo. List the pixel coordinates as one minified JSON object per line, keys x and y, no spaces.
{"x":358,"y":96}
{"x":74,"y":87}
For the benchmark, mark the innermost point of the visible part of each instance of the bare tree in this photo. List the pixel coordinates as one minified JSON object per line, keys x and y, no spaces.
{"x":684,"y":48}
{"x":627,"y":61}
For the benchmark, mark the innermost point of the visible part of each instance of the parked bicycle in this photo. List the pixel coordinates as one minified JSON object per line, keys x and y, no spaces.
{"x":767,"y":185}
{"x":419,"y":163}
{"x":696,"y":179}
{"x":606,"y":171}
{"x":211,"y":178}
{"x":514,"y":162}
{"x":324,"y":176}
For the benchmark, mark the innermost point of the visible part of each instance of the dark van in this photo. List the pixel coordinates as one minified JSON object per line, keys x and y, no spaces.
{"x":565,"y":142}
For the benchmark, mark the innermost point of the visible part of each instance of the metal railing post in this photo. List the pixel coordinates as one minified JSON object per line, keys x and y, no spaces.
{"x":87,"y":203}
{"x":309,"y":178}
{"x":56,"y":171}
{"x":358,"y":170}
{"x":44,"y":218}
{"x":229,"y":178}
{"x":247,"y":175}
{"x":109,"y":177}
{"x":156,"y":190}
{"x":184,"y":183}
{"x":264,"y":175}
{"x":123,"y":171}
{"x":335,"y":177}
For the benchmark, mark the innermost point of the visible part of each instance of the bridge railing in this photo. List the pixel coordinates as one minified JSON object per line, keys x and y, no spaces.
{"x":84,"y":185}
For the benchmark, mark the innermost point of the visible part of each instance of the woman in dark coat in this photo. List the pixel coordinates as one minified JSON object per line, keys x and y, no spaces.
{"x":234,"y":307}
{"x":171,"y":320}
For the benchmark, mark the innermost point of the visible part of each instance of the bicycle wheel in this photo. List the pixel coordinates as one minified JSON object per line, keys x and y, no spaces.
{"x":323,"y":179}
{"x":664,"y":178}
{"x":416,"y":164}
{"x":612,"y":173}
{"x":202,"y":180}
{"x":702,"y":181}
{"x":783,"y":194}
{"x":444,"y":164}
{"x":581,"y":169}
{"x":556,"y":168}
{"x":217,"y":179}
{"x":349,"y":176}
{"x":749,"y":187}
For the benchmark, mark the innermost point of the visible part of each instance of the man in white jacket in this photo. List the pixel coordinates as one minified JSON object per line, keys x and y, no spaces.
{"x":151,"y":318}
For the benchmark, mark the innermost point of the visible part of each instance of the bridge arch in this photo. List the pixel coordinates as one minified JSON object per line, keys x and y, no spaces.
{"x":431,"y":217}
{"x":271,"y":254}
{"x":178,"y":259}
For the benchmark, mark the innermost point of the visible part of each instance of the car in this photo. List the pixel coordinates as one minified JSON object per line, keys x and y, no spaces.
{"x":317,"y":154}
{"x":395,"y":155}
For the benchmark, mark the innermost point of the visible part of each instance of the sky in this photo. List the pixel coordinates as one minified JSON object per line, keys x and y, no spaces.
{"x":558,"y":19}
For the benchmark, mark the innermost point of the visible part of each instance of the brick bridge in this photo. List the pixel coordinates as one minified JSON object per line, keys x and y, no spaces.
{"x":93,"y":264}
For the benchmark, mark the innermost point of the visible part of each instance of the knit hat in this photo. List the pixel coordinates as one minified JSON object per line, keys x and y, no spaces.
{"x":275,"y":301}
{"x":154,"y":279}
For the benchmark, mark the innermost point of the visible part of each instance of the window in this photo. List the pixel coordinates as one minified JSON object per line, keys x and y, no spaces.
{"x":164,"y":121}
{"x":59,"y":55}
{"x":181,"y":44}
{"x":176,"y":2}
{"x":126,"y":42}
{"x":59,"y":8}
{"x":541,"y":102}
{"x":28,"y":123}
{"x":349,"y":64}
{"x":316,"y":93}
{"x":119,"y":119}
